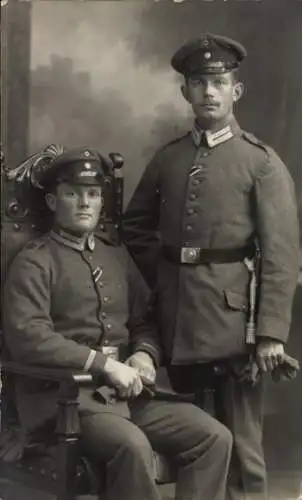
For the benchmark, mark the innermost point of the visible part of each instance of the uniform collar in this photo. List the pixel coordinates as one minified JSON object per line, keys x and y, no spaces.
{"x":219,"y":134}
{"x":73,"y":241}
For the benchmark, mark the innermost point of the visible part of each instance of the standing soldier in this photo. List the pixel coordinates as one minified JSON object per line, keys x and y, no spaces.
{"x":204,"y":204}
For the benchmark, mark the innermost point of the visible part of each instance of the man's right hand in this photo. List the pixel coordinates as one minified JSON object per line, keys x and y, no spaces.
{"x":123,"y":378}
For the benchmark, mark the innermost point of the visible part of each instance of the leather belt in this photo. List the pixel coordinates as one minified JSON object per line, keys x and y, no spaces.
{"x":196,"y":255}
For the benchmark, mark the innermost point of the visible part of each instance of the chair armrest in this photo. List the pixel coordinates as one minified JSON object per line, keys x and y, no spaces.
{"x":54,"y":374}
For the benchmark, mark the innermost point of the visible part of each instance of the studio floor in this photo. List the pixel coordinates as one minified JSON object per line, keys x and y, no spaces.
{"x":283,"y":486}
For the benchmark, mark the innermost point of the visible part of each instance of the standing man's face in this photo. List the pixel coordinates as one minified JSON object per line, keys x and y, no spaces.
{"x":212,"y":96}
{"x":76,"y":207}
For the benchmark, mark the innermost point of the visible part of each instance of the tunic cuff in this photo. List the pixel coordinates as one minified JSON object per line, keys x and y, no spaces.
{"x":151,"y":350}
{"x":89,"y":360}
{"x":98,"y":363}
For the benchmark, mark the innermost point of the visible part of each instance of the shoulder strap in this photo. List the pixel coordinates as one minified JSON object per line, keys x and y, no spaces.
{"x":255,"y":142}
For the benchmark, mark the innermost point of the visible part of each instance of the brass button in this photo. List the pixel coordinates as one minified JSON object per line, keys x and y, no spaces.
{"x":192,"y":196}
{"x":106,"y":342}
{"x":190,"y":211}
{"x":106,"y":299}
{"x":104,"y":315}
{"x":189,"y":227}
{"x":101,"y":284}
{"x":89,"y":257}
{"x":109,"y":326}
{"x":196,"y":182}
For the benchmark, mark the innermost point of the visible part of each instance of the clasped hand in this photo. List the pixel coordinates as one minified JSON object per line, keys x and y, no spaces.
{"x":269,"y":354}
{"x":127,"y":377}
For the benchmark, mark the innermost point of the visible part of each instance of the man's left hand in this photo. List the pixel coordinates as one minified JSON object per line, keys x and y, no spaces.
{"x":269,"y":355}
{"x":144,"y":364}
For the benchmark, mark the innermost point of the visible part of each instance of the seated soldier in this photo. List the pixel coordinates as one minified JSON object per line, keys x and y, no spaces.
{"x":71,"y":299}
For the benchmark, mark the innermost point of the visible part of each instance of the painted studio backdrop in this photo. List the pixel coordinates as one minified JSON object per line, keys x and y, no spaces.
{"x":98,"y":74}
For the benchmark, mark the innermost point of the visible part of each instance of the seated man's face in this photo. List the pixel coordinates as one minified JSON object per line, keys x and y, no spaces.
{"x":76,"y":207}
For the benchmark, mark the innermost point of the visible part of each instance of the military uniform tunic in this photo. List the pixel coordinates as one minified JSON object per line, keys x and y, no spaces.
{"x":61,"y":301}
{"x":217,"y":191}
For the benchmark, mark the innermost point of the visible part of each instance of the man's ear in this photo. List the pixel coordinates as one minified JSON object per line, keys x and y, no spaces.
{"x":51,"y":201}
{"x":185,"y":92}
{"x":238,"y":91}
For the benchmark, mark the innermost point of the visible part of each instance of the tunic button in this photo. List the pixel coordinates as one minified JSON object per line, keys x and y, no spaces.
{"x":104,"y":315}
{"x":189,"y":227}
{"x":106,"y":299}
{"x":192,"y":196}
{"x":89,"y":257}
{"x":101,"y":284}
{"x":106,"y":342}
{"x":190,"y":211}
{"x":109,"y":326}
{"x":205,"y":153}
{"x":196,"y":182}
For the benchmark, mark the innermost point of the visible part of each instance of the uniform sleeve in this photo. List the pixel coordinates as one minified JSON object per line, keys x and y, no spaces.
{"x":142,"y":325}
{"x":278,"y":233}
{"x":28,"y":327}
{"x":141,"y":221}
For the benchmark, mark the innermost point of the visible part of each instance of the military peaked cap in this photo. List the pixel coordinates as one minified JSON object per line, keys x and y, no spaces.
{"x":208,"y":54}
{"x":75,"y":166}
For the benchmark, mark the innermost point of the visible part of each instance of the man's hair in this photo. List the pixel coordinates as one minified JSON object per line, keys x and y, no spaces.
{"x":236,"y":75}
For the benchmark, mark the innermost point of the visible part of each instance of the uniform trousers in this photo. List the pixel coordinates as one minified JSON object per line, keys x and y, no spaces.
{"x":198,"y":445}
{"x":239,"y":406}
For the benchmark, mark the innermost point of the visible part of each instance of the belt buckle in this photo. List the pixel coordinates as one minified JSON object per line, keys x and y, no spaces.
{"x":111,"y":351}
{"x":189,"y":255}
